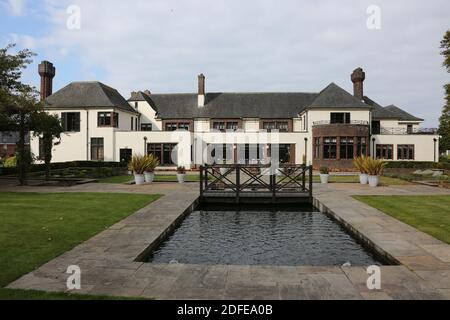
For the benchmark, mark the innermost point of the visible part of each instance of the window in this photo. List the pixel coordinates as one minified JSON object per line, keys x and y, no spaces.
{"x":163,"y":151}
{"x":172,"y":126}
{"x":219,"y":126}
{"x":232,"y":126}
{"x":41,"y":155}
{"x":125,"y":155}
{"x":316,"y":148}
{"x":409,"y":128}
{"x":329,"y":147}
{"x":384,"y":151}
{"x":346,"y":148}
{"x":136,"y":124}
{"x":362,"y":146}
{"x":70,"y":121}
{"x":376,"y":127}
{"x":281,"y":126}
{"x":405,"y":152}
{"x":225,"y":125}
{"x":146,"y":127}
{"x":340,"y":117}
{"x":104,"y":119}
{"x":131,"y":124}
{"x":136,"y":105}
{"x":97,"y":149}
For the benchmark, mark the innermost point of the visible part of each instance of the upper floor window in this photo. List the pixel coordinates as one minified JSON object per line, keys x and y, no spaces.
{"x":281,"y":126}
{"x":70,"y":121}
{"x":146,"y":127}
{"x":108,"y":119}
{"x":340,"y":117}
{"x":225,"y":125}
{"x":172,"y":126}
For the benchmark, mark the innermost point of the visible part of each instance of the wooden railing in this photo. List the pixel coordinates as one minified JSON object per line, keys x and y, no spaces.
{"x":239,"y":180}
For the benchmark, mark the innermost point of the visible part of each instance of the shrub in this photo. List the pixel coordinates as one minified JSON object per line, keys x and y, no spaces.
{"x":373,"y":167}
{"x":138,"y":164}
{"x":152,"y":163}
{"x":324,"y":170}
{"x":358,"y":162}
{"x":10,"y":162}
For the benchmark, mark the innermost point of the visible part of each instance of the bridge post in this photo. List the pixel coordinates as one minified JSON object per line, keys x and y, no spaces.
{"x":238,"y":182}
{"x":310,"y":181}
{"x":201,"y":181}
{"x":304,"y":177}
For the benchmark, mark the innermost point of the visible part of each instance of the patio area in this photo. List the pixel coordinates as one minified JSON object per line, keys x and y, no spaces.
{"x":108,"y":262}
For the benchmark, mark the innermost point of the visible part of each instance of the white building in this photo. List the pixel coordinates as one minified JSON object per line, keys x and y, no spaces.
{"x":329,"y":127}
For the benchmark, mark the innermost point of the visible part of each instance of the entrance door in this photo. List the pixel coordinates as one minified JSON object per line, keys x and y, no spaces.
{"x":125,"y":155}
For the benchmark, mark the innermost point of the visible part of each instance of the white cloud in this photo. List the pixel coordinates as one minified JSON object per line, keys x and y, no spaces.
{"x":16,"y":7}
{"x":258,"y":46}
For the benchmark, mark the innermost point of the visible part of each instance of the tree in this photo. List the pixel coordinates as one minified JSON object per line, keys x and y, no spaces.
{"x":444,"y":120}
{"x":18,"y":103}
{"x":48,"y":128}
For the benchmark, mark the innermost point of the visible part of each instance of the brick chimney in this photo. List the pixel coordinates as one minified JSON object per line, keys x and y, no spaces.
{"x":47,"y":72}
{"x":358,"y":77}
{"x":201,"y":90}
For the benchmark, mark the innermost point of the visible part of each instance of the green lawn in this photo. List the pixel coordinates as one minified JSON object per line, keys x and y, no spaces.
{"x":37,"y":227}
{"x":430,"y":214}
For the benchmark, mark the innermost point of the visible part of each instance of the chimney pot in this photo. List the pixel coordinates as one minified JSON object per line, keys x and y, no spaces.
{"x":358,"y":76}
{"x":47,"y":72}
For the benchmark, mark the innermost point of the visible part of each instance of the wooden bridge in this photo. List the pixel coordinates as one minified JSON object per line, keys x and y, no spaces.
{"x":238,"y":183}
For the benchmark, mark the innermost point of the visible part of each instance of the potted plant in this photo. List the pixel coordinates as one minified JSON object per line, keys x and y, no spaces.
{"x":374,"y":168}
{"x":152,"y":163}
{"x":324,"y":174}
{"x":181,"y":173}
{"x":358,"y":162}
{"x":138,"y":164}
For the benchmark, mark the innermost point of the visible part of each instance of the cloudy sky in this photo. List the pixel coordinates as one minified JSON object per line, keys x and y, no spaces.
{"x":252,"y":45}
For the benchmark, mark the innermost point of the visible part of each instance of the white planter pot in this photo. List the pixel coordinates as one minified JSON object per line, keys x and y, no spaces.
{"x":373,"y":181}
{"x":139,"y":179}
{"x":324,"y":178}
{"x":180,"y":177}
{"x":130,"y":172}
{"x":149,"y":176}
{"x":363,"y":178}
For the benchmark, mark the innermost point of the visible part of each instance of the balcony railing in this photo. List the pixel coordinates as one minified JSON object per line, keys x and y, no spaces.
{"x":384,"y":130}
{"x":352,"y":122}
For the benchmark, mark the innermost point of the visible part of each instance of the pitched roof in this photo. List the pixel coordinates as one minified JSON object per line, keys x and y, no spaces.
{"x":378,"y":112}
{"x":401,"y":114}
{"x":334,"y":96}
{"x":232,"y":105}
{"x":87,"y":94}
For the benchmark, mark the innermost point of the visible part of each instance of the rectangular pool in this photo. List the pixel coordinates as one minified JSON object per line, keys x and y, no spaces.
{"x":261,"y":236}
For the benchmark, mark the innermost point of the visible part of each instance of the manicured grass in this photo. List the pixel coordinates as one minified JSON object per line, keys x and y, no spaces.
{"x":37,"y":227}
{"x":355,"y":179}
{"x":430,"y":214}
{"x":16,"y":294}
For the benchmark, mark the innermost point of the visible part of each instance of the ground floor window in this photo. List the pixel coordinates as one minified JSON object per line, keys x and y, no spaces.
{"x":41,"y":155}
{"x":163,"y":151}
{"x":97,"y":149}
{"x":405,"y":152}
{"x":384,"y":151}
{"x":329,"y":147}
{"x":317,"y":148}
{"x":346,"y":148}
{"x":125,"y":155}
{"x":362,"y":146}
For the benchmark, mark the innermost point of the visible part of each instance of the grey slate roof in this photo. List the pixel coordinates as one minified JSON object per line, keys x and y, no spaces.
{"x":232,"y":105}
{"x":335,"y":96}
{"x":87,"y":94}
{"x":378,"y":112}
{"x":401,"y":114}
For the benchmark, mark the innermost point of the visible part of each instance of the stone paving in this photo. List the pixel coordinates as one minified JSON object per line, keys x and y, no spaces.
{"x":108,"y":262}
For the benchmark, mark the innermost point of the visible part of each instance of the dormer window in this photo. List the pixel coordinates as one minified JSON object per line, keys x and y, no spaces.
{"x":340,"y":117}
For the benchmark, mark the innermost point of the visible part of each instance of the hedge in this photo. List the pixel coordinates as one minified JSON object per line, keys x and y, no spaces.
{"x":64,"y":165}
{"x":418,"y":165}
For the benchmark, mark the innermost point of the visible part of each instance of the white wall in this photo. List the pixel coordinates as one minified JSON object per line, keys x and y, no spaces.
{"x":148,"y":115}
{"x":423,"y":145}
